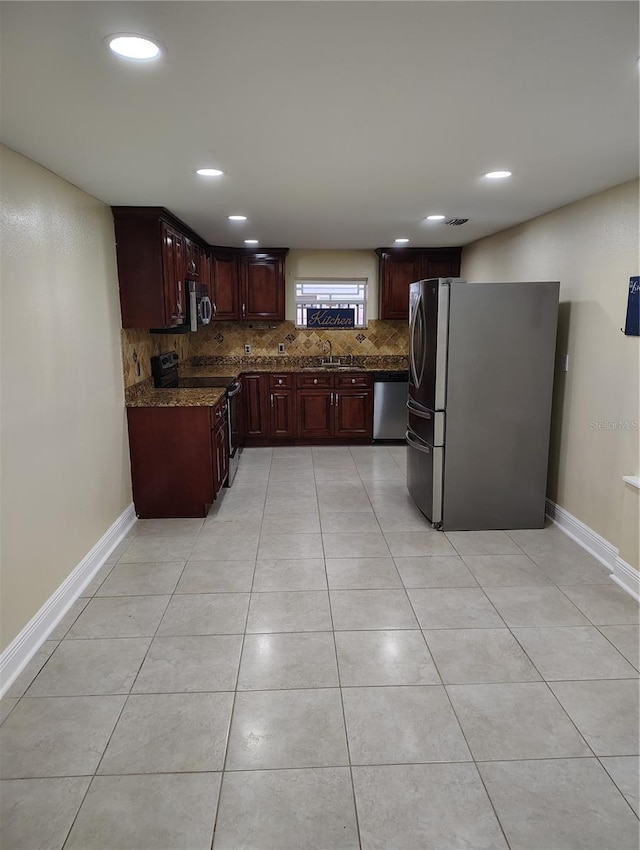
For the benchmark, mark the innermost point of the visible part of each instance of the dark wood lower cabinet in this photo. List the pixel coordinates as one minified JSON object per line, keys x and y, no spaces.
{"x":282,"y":414}
{"x":307,"y":407}
{"x":353,"y":413}
{"x":254,"y":396}
{"x":171,"y":461}
{"x":315,"y":413}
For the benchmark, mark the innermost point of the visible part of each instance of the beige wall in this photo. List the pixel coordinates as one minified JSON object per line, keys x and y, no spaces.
{"x":65,"y":466}
{"x":592,"y":248}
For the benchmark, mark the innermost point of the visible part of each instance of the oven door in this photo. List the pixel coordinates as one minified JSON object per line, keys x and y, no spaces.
{"x":233,"y":429}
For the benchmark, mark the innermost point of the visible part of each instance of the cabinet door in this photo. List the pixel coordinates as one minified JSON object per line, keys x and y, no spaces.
{"x":225,"y":287}
{"x":173,"y":276}
{"x":398,"y":269}
{"x":191,"y":260}
{"x":315,"y":413}
{"x":353,"y":413}
{"x":254,"y":393}
{"x":262,"y":287}
{"x":282,"y":413}
{"x":442,"y":263}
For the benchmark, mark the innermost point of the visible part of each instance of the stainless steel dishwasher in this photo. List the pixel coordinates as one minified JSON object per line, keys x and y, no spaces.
{"x":390,"y":391}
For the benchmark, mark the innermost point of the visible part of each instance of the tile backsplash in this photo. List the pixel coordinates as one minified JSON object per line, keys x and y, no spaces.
{"x":139,"y":346}
{"x":229,"y":338}
{"x":224,"y":339}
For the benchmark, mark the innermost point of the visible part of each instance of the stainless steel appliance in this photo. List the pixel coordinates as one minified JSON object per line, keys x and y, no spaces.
{"x":164,"y":368}
{"x":200,"y":308}
{"x":481,"y":359}
{"x":389,"y":405}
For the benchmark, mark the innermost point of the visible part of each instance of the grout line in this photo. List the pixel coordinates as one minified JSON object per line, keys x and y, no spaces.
{"x":344,"y":716}
{"x":235,"y":690}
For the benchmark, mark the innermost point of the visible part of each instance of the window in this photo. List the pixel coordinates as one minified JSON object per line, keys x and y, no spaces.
{"x":322,"y":293}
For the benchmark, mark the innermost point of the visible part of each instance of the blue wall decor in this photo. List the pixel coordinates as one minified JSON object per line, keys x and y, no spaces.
{"x":333,"y":318}
{"x":631,"y":327}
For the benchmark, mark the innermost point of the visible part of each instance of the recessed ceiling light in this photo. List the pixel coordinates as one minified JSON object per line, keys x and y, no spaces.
{"x":209,"y":172}
{"x":237,"y":218}
{"x":436,"y":217}
{"x":497,"y":175}
{"x":402,"y":240}
{"x":250,"y":241}
{"x":135,"y":47}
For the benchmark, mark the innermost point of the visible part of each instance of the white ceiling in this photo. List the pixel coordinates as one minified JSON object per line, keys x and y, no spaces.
{"x":338,"y":124}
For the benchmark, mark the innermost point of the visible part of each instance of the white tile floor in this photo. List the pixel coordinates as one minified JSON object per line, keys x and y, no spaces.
{"x":313,"y":668}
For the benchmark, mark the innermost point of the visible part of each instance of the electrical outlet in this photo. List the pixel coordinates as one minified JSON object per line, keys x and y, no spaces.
{"x":247,"y":349}
{"x":281,"y":348}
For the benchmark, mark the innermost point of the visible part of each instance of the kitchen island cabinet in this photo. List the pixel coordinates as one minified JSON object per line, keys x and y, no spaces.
{"x":178,"y":458}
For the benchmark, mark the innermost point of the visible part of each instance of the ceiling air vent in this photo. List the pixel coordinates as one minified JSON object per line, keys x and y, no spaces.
{"x":456,"y":222}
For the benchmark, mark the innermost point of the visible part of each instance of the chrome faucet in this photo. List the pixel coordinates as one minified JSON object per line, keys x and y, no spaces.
{"x":327,"y":342}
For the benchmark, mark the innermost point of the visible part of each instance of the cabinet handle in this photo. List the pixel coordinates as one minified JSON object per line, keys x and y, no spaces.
{"x":279,"y":380}
{"x":214,"y":308}
{"x":353,"y":380}
{"x":331,"y":401}
{"x":271,"y":399}
{"x":243,"y":310}
{"x":315,"y":380}
{"x":337,"y":397}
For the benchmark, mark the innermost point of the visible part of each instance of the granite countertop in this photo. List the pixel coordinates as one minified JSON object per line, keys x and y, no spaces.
{"x":202,"y":369}
{"x":200,"y":397}
{"x":233,"y":367}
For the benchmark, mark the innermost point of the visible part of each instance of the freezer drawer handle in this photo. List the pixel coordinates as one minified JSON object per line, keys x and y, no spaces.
{"x":413,"y":445}
{"x":420,"y":413}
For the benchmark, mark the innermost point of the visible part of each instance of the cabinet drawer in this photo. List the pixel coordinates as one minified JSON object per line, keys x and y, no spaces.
{"x":344,"y":382}
{"x":315,"y":381}
{"x":281,"y":381}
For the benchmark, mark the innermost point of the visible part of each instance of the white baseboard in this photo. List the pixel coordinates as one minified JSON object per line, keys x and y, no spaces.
{"x":627,"y":577}
{"x":589,"y":539}
{"x":24,"y":646}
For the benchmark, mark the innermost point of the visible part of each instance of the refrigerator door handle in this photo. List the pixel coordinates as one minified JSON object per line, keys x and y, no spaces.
{"x":412,"y":331}
{"x":423,"y":414}
{"x":424,"y":449}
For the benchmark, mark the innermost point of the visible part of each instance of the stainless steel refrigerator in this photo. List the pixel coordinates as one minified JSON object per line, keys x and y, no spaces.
{"x":481,"y":361}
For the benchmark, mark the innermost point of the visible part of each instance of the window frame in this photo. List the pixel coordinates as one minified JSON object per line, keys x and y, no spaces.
{"x":302,"y":301}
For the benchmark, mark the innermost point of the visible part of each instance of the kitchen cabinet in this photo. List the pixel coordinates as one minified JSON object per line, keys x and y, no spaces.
{"x":399,"y":267}
{"x":282,"y":406}
{"x":157,"y":253}
{"x":254,"y":395}
{"x":179,"y":459}
{"x":248,"y":285}
{"x":225,"y":287}
{"x":262,"y":286}
{"x":154,"y":251}
{"x":342,"y":407}
{"x":307,"y":407}
{"x":353,"y":406}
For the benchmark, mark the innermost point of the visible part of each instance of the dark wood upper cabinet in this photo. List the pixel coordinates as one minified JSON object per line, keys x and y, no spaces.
{"x":225,"y":293}
{"x":154,"y":251}
{"x":262,"y":286}
{"x":399,"y":267}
